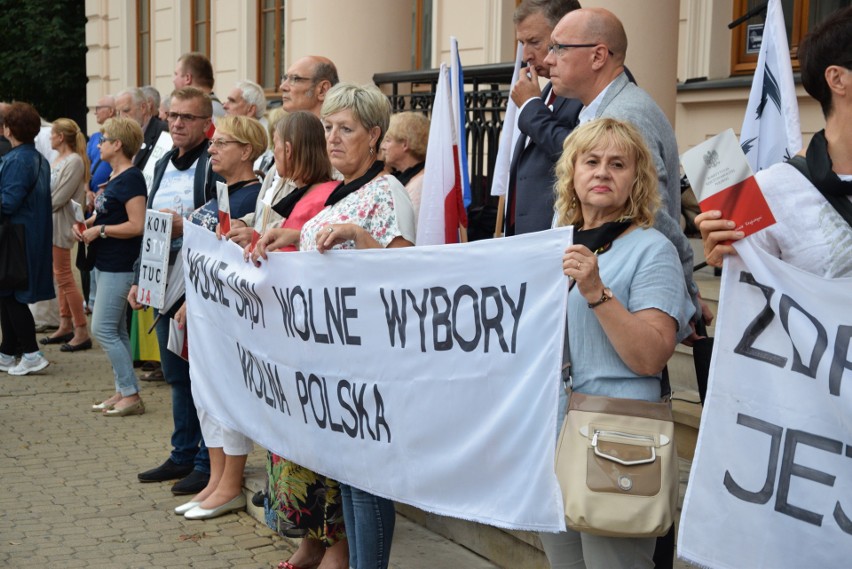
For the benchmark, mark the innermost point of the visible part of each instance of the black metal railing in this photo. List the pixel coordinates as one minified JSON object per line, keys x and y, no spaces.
{"x":486,"y":97}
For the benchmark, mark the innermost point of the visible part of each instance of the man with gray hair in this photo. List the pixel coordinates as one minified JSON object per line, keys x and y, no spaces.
{"x":544,"y":120}
{"x":132,"y":103}
{"x":152,"y":98}
{"x":246,"y":99}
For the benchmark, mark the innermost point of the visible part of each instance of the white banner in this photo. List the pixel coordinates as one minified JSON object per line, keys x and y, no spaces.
{"x":427,"y":375}
{"x":771,"y":483}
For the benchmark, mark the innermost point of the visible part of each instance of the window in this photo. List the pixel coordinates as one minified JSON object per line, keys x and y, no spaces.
{"x":270,"y":43}
{"x":201,"y":26}
{"x":421,"y":34}
{"x":143,"y":42}
{"x":799,"y":15}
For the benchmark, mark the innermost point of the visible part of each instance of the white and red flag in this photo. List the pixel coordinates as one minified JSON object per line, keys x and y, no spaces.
{"x":442,"y":210}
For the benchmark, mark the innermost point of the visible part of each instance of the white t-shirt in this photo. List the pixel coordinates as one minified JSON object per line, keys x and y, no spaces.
{"x":177,"y":189}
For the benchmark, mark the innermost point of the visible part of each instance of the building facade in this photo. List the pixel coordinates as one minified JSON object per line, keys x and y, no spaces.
{"x":681,"y":51}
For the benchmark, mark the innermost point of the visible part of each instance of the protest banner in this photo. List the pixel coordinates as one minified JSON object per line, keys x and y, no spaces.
{"x":154,"y":258}
{"x":771,"y":483}
{"x":437,"y":388}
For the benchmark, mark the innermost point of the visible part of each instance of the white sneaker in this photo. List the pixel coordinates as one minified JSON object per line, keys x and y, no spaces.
{"x":7,"y":362}
{"x":30,"y":363}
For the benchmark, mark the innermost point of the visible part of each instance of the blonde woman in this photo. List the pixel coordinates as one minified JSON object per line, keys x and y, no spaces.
{"x":627,"y":300}
{"x":69,"y":178}
{"x":404,"y":150}
{"x":117,"y":227}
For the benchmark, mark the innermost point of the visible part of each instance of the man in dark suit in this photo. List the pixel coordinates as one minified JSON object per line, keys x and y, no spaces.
{"x":543,"y":119}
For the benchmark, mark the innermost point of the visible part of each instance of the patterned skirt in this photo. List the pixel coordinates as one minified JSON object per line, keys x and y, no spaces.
{"x":302,"y":503}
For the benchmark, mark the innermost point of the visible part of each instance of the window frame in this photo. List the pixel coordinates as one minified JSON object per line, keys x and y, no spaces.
{"x":195,"y":22}
{"x":278,"y":11}
{"x":141,"y":36}
{"x":745,"y":64}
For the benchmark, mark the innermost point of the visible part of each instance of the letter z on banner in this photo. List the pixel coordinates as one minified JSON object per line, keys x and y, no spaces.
{"x":771,"y":484}
{"x":428,"y":375}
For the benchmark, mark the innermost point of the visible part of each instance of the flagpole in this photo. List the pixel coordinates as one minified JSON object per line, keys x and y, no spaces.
{"x":498,"y":226}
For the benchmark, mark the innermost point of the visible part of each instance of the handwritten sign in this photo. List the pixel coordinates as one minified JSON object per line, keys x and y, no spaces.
{"x":154,"y":260}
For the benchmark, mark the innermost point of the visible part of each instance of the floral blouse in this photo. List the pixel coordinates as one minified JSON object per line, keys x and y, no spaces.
{"x":382,"y":207}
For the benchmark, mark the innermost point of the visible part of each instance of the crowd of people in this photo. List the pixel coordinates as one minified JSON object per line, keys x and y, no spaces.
{"x":335,"y":169}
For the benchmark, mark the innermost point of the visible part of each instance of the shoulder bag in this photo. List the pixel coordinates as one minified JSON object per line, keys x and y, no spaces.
{"x":616,"y":463}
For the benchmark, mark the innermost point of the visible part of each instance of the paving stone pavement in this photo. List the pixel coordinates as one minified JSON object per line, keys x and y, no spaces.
{"x":71,"y":499}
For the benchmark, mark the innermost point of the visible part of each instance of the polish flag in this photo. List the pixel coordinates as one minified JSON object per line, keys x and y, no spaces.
{"x":441,"y":208}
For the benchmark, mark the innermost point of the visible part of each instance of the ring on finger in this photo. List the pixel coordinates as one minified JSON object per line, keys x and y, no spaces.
{"x":330,"y":229}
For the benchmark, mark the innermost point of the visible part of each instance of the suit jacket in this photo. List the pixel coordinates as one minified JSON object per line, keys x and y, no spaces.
{"x":149,"y":140}
{"x":531,"y":175}
{"x":627,"y":102}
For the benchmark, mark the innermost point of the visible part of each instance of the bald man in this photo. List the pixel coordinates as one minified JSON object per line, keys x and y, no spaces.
{"x":304,"y":86}
{"x":587,"y":63}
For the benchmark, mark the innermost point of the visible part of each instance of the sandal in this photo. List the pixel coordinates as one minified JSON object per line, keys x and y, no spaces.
{"x":288,"y":565}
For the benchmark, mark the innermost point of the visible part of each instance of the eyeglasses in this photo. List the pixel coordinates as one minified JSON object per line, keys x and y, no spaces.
{"x":185,"y":117}
{"x":98,"y":108}
{"x":105,"y":139}
{"x":556,"y":48}
{"x":292,"y":79}
{"x":220,"y":143}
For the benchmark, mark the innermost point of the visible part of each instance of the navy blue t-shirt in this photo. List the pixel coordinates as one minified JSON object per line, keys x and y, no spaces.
{"x":118,"y":255}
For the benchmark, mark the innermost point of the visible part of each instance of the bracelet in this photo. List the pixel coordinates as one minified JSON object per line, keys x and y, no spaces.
{"x":605,"y":295}
{"x":103,"y":232}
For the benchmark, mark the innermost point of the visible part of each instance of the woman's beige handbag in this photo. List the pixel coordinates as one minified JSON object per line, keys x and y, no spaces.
{"x":617,"y":465}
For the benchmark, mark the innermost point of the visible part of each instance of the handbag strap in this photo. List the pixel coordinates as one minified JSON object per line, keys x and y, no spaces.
{"x":568,"y":380}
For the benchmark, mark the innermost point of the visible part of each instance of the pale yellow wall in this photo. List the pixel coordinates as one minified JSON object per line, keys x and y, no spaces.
{"x":233,"y":43}
{"x":652,"y":44}
{"x":705,"y":113}
{"x":483,"y":29}
{"x":361,"y":38}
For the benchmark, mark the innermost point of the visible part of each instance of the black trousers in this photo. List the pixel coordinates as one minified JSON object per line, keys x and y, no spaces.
{"x":18,"y":327}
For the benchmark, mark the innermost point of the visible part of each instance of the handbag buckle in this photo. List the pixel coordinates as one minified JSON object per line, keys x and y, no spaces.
{"x":630,"y":438}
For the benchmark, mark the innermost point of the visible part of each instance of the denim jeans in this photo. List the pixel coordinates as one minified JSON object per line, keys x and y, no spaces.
{"x":369,"y":528}
{"x":109,"y":329}
{"x":187,"y":442}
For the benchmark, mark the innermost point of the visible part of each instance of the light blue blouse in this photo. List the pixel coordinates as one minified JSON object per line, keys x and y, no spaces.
{"x":643,"y":271}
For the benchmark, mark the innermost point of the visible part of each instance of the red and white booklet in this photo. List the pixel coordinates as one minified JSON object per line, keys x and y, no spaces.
{"x":722,"y":179}
{"x":224,"y":203}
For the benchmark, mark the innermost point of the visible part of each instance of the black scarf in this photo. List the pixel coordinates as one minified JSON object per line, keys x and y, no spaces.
{"x":344,"y":189}
{"x":599,"y":240}
{"x":819,"y":166}
{"x":284,"y":206}
{"x":188,"y":159}
{"x":405,"y":176}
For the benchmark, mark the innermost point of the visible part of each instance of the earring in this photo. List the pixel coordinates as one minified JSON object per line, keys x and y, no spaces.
{"x":372,"y":152}
{"x":573,"y":203}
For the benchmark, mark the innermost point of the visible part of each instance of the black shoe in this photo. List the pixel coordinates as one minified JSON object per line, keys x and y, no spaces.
{"x":169,"y":470}
{"x":194,"y":483}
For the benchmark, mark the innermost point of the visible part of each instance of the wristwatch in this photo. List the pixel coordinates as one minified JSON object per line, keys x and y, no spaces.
{"x":605,"y":295}
{"x":103,"y":232}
